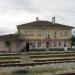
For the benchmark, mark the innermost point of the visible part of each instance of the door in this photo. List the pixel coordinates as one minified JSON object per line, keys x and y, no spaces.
{"x":27,"y":46}
{"x":47,"y":44}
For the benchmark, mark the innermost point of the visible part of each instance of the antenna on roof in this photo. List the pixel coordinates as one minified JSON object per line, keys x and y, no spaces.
{"x":37,"y":19}
{"x":53,"y":20}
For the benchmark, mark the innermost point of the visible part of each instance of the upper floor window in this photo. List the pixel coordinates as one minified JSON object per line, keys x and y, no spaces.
{"x":42,"y":33}
{"x":55,"y":34}
{"x":25,"y":33}
{"x":66,"y":33}
{"x":46,"y":33}
{"x":28,"y":33}
{"x":31,"y":33}
{"x":63,"y":33}
{"x":39,"y":33}
{"x":60,"y":33}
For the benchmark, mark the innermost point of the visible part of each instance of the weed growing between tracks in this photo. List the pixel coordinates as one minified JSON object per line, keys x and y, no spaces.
{"x":47,"y":69}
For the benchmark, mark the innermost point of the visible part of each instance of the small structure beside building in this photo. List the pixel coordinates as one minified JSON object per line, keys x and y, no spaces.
{"x":8,"y":43}
{"x":38,"y":35}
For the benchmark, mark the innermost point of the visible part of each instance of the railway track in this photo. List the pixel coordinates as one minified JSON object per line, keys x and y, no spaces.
{"x":31,"y":64}
{"x":49,"y":52}
{"x":36,"y":58}
{"x":72,"y":73}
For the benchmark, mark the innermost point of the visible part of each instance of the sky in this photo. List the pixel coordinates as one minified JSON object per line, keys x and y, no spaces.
{"x":16,"y":12}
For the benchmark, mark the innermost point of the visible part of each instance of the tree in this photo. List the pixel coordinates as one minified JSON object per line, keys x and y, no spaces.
{"x":73,"y":40}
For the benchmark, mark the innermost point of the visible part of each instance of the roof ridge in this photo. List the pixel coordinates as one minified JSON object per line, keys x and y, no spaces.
{"x":42,"y":22}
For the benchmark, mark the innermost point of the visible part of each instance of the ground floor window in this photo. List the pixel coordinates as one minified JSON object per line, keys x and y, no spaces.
{"x":55,"y":44}
{"x":33,"y":44}
{"x":64,"y":44}
{"x":59,"y":43}
{"x":50,"y":43}
{"x":39,"y":44}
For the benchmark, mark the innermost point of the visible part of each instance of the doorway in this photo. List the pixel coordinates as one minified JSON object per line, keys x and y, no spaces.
{"x":47,"y":44}
{"x":27,"y":46}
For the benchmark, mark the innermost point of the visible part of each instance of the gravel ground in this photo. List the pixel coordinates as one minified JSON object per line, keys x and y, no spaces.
{"x":48,"y":69}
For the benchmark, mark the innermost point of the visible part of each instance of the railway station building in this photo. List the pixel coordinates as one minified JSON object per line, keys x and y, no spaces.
{"x":38,"y":35}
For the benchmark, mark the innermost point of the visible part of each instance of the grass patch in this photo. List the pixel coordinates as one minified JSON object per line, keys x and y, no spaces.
{"x":36,"y":70}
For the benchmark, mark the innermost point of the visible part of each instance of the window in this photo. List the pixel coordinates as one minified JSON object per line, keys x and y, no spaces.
{"x":61,"y":33}
{"x":50,"y":43}
{"x":59,"y":43}
{"x":31,"y":33}
{"x":64,"y":44}
{"x":33,"y":44}
{"x":39,"y":44}
{"x":54,"y":34}
{"x":55,"y":44}
{"x":66,"y":33}
{"x":45,"y":33}
{"x":26,"y":33}
{"x":39,"y":33}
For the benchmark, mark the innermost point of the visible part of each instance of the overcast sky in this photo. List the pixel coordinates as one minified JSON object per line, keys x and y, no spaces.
{"x":15,"y":12}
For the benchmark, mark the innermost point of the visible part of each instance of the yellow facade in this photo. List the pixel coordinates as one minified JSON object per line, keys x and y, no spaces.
{"x":42,"y":34}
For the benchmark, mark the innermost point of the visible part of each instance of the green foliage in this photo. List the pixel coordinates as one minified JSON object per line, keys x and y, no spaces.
{"x":7,"y":43}
{"x":36,"y":70}
{"x":73,"y":40}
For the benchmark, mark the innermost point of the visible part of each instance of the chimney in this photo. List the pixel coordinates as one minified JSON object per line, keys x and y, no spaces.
{"x":53,"y":20}
{"x":37,"y":19}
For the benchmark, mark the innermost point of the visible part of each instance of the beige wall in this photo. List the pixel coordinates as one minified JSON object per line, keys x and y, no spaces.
{"x":51,"y":44}
{"x":57,"y":34}
{"x":3,"y":47}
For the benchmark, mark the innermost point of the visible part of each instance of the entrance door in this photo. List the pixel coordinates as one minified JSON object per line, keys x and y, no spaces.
{"x":47,"y":44}
{"x":27,"y":46}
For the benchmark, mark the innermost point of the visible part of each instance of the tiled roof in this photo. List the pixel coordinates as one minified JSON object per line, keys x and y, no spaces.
{"x":9,"y":37}
{"x":43,"y":24}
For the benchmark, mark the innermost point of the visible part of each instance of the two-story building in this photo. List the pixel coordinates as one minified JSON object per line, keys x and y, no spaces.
{"x":44,"y":35}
